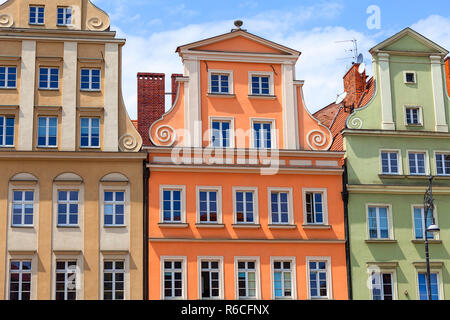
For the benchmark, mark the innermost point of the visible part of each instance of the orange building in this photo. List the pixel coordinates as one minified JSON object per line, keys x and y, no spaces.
{"x":244,"y":194}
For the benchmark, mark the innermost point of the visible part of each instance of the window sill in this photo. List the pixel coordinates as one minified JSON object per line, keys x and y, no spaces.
{"x":15,"y":88}
{"x":221,"y":95}
{"x":173,"y":225}
{"x":115,"y":227}
{"x":282,"y":226}
{"x":68,"y":227}
{"x":418,"y":176}
{"x":429,"y":241}
{"x":391,"y":176}
{"x":48,"y":89}
{"x":414,"y":125}
{"x":316,"y":227}
{"x":47,"y":148}
{"x":90,"y":148}
{"x":246,"y":226}
{"x":23,"y":227}
{"x":262,"y":96}
{"x":90,"y":90}
{"x":442,"y":177}
{"x":210,"y":225}
{"x":381,"y":241}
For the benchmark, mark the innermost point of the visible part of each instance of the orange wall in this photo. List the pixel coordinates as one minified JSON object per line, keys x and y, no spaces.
{"x":447,"y":74}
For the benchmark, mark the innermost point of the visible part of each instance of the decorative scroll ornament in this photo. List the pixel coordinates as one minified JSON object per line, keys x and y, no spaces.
{"x":316,"y":139}
{"x":356,"y":123}
{"x":6,"y":20}
{"x":95,"y":24}
{"x":128,"y":143}
{"x":166,"y":135}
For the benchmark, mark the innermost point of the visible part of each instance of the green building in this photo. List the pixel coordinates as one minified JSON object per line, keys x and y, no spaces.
{"x":393,"y":144}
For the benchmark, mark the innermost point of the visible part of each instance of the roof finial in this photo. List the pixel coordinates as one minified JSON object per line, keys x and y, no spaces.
{"x":238,"y":24}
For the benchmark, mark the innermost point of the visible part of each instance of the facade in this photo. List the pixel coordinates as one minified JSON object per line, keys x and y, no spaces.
{"x":71,"y":171}
{"x":244,"y":196}
{"x":393,"y":144}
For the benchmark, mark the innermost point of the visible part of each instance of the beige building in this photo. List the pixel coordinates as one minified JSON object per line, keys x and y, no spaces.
{"x":71,"y":200}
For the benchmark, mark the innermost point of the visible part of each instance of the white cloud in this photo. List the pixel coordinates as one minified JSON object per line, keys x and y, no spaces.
{"x":436,"y":28}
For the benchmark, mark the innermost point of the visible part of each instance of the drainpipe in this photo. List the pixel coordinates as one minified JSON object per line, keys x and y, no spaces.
{"x":345,"y":198}
{"x":146,"y":175}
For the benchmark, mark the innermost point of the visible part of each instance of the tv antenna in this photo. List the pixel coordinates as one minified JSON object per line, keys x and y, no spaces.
{"x":354,"y":50}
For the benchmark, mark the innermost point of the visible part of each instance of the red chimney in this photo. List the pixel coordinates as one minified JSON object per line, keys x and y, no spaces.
{"x":175,"y":86}
{"x":354,"y":85}
{"x":151,"y":102}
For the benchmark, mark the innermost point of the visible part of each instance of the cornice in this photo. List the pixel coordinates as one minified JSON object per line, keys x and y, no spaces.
{"x":69,"y":155}
{"x":396,"y":133}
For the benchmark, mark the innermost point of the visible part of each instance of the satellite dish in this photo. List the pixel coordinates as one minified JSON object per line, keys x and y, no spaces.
{"x":362,"y":68}
{"x":360,"y":59}
{"x":341,"y":98}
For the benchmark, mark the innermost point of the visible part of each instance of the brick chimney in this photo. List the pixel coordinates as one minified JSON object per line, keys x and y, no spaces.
{"x":447,"y":73}
{"x":175,"y":86}
{"x":354,"y":85}
{"x":151,"y":102}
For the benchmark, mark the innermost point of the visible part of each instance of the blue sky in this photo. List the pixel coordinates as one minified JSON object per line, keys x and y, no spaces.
{"x":154,"y":28}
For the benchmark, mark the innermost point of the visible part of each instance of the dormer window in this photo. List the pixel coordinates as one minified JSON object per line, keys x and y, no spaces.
{"x":410,"y":77}
{"x":36,"y":15}
{"x":64,"y":16}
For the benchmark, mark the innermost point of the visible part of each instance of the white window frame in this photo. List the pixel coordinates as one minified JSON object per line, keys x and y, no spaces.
{"x":90,"y":89}
{"x":5,"y":117}
{"x":219,"y":204}
{"x":390,"y":221}
{"x":49,"y":71}
{"x":329,"y":277}
{"x":438,"y":271}
{"x":65,"y":9}
{"x":419,"y":116}
{"x":255,"y":205}
{"x":20,"y":272}
{"x":114,"y":271}
{"x":256,"y":260}
{"x":324,"y":206}
{"x":273,"y":133}
{"x":37,"y":15}
{"x":382,"y":270}
{"x":7,"y":77}
{"x":79,"y":202}
{"x":232,"y":132}
{"x":114,"y":203}
{"x":221,"y":276}
{"x":184,"y":266}
{"x":399,"y":161}
{"x":292,"y":260}
{"x":78,"y":279}
{"x":290,"y":205}
{"x":261,"y":74}
{"x":229,"y":73}
{"x":112,"y":256}
{"x":35,"y":203}
{"x":90,"y":146}
{"x":444,"y":153}
{"x":405,"y":78}
{"x":435,"y":214}
{"x":182,"y":189}
{"x":34,"y":265}
{"x":47,"y":132}
{"x":427,"y":162}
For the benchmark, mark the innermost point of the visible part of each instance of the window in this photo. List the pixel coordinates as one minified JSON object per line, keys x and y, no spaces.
{"x":315,"y":208}
{"x":172,"y":206}
{"x":8,"y":77}
{"x":410,"y":77}
{"x":245,"y":207}
{"x":67,"y":208}
{"x":209,"y":206}
{"x":114,"y":208}
{"x":64,"y":16}
{"x":282,"y":279}
{"x":210,"y":279}
{"x":47,"y":132}
{"x":90,"y":79}
{"x":90,"y":132}
{"x":220,"y":83}
{"x":173,"y":279}
{"x":113,"y":280}
{"x":66,"y":280}
{"x":36,"y":15}
{"x":417,"y":164}
{"x":247,"y":274}
{"x":419,"y":230}
{"x":221,"y":134}
{"x":20,"y":280}
{"x":389,"y":162}
{"x":22,"y":207}
{"x":260,"y":85}
{"x":318,"y":279}
{"x":423,"y":285}
{"x":280,"y":207}
{"x":378,"y":223}
{"x":262,"y":135}
{"x":413,"y":116}
{"x":48,"y":78}
{"x":382,"y":286}
{"x":6,"y":131}
{"x":442,"y":164}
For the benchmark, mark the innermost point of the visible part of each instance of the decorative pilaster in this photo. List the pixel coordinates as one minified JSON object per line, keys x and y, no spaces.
{"x":290,"y":115}
{"x":386,"y":93}
{"x":111,"y":118}
{"x":193,"y":116}
{"x":69,"y":97}
{"x":438,"y":93}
